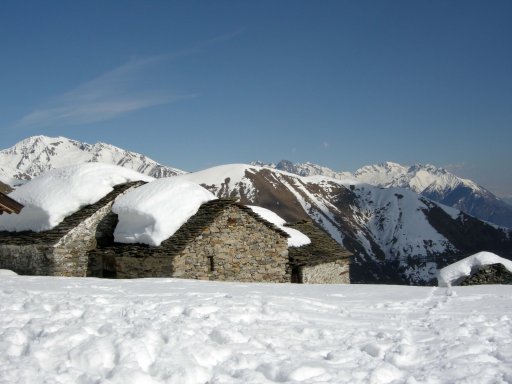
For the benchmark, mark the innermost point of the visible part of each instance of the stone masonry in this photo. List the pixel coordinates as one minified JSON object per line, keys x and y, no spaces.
{"x":336,"y":272}
{"x":235,"y":247}
{"x":223,"y":241}
{"x":323,"y":261}
{"x":489,"y":274}
{"x":61,"y":251}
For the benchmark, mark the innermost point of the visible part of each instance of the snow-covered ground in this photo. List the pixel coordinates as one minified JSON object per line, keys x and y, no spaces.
{"x":78,"y":330}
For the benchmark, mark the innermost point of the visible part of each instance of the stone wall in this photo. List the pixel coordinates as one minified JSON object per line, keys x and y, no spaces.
{"x":235,"y":247}
{"x":323,"y":261}
{"x":63,"y":250}
{"x":68,"y":257}
{"x":30,"y":259}
{"x":70,"y":254}
{"x":328,"y":273}
{"x":489,"y":274}
{"x":128,"y":267}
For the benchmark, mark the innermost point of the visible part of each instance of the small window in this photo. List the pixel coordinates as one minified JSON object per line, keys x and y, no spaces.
{"x":296,"y":275}
{"x":211,"y":264}
{"x":231,"y":222}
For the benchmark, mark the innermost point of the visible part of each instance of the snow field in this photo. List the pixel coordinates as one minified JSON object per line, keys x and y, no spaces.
{"x":72,"y":330}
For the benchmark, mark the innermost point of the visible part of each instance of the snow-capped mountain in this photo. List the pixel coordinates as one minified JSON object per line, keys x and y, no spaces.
{"x":437,"y":184}
{"x":38,"y":154}
{"x":442,"y":186}
{"x":305,"y":169}
{"x":397,"y":236}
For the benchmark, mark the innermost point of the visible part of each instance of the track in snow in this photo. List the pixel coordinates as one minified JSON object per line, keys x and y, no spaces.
{"x":63,"y":330}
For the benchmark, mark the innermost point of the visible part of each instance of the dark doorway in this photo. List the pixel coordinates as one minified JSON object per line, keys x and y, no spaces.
{"x":109,"y":267}
{"x":296,"y":275}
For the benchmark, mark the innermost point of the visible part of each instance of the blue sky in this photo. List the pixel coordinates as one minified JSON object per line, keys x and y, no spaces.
{"x":194,"y":84}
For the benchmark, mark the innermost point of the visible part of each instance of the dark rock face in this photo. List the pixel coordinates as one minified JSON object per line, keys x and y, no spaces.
{"x":288,"y":166}
{"x":468,"y":235}
{"x":489,"y":274}
{"x":483,"y":205}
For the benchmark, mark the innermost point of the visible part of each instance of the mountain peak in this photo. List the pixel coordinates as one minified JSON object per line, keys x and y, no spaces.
{"x":436,"y":183}
{"x":37,"y":154}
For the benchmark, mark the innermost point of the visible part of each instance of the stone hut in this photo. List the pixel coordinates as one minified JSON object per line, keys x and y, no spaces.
{"x":9,"y":205}
{"x":63,"y":250}
{"x":224,"y":240}
{"x":323,"y":261}
{"x":489,"y":274}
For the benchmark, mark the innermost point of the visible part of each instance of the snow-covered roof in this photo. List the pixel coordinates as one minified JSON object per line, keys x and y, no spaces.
{"x":155,"y":211}
{"x":58,"y":193}
{"x":296,"y":239}
{"x":148,"y":214}
{"x":455,"y":272}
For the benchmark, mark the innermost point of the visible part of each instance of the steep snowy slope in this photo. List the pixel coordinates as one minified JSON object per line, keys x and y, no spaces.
{"x":440,"y":185}
{"x":417,"y":177}
{"x":397,"y":235}
{"x":38,"y":154}
{"x":435,"y":183}
{"x":305,"y":169}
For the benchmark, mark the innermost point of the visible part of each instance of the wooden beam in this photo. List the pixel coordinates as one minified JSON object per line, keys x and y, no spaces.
{"x":9,"y":205}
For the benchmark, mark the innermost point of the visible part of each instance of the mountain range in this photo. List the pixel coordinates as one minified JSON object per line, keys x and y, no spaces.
{"x":37,"y":154}
{"x":396,"y":234}
{"x":437,"y":184}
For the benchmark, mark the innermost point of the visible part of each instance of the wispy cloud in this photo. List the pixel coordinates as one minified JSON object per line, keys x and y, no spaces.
{"x":117,"y":92}
{"x":112,"y":94}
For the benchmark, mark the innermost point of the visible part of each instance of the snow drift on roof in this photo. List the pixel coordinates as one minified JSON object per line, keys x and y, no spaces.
{"x":296,"y":239}
{"x":454,"y":272}
{"x":155,"y":211}
{"x":58,"y":193}
{"x":234,"y":172}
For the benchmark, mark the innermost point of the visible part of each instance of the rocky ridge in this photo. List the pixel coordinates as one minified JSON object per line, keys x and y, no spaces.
{"x":435,"y":183}
{"x":38,"y":154}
